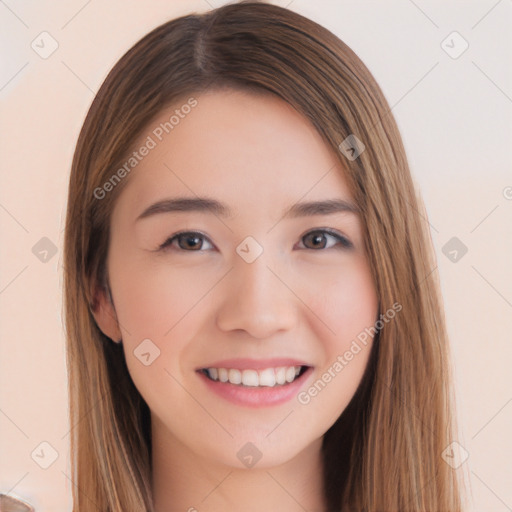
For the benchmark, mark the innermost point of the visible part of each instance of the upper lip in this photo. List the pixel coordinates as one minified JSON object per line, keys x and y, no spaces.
{"x":254,"y":364}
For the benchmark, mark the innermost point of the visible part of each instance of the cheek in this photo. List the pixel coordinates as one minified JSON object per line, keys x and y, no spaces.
{"x":348,"y":308}
{"x":168,"y":306}
{"x":154,"y":301}
{"x":347,"y":303}
{"x":155,"y":310}
{"x":163,"y":307}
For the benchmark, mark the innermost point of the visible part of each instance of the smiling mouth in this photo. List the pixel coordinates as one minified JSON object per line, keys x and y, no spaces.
{"x":268,"y":377}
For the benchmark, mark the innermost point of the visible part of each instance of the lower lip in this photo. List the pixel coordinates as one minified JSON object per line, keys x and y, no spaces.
{"x":263,"y":396}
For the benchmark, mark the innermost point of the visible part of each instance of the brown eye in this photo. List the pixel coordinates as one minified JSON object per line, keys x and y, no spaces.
{"x":190,"y":241}
{"x":319,"y":239}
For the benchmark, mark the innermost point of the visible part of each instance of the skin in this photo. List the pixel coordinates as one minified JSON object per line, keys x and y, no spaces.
{"x":259,"y":156}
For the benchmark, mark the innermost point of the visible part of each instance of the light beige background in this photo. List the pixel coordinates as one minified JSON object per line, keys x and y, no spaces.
{"x":456,"y":120}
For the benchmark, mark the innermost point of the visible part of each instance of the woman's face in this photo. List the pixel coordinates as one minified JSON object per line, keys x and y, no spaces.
{"x":263,"y":281}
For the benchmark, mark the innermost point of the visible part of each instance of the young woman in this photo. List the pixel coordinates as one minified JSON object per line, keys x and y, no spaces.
{"x":253,"y":320}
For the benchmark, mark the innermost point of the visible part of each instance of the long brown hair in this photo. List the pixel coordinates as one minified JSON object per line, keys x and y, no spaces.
{"x":384,"y":451}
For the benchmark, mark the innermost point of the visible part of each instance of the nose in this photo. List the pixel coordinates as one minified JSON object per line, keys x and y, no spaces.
{"x":257,"y":299}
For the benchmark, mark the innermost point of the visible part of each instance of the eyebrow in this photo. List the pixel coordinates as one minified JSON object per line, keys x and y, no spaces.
{"x":207,"y":204}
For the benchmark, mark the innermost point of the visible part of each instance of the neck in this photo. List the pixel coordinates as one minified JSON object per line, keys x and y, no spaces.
{"x":185,"y":481}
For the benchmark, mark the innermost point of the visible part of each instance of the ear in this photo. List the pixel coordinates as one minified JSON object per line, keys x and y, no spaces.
{"x":105,"y":314}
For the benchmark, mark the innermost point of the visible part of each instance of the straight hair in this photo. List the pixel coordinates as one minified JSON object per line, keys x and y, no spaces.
{"x":384,"y":451}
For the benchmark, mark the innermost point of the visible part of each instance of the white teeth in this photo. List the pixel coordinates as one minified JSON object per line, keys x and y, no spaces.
{"x":235,"y":376}
{"x":249,"y":378}
{"x":269,"y":377}
{"x":290,"y":374}
{"x":281,"y":375}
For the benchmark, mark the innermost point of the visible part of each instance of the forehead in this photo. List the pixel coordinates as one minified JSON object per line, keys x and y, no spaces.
{"x":238,"y":146}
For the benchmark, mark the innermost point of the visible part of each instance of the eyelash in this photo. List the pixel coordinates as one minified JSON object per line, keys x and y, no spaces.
{"x":344,"y":242}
